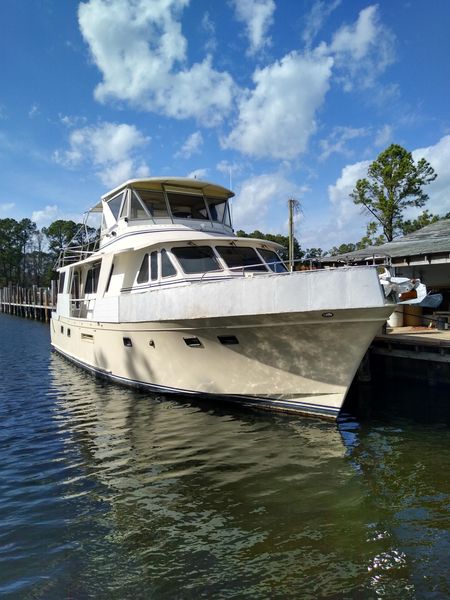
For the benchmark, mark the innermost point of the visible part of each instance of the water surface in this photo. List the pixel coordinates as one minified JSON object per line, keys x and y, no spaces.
{"x":110,"y":493}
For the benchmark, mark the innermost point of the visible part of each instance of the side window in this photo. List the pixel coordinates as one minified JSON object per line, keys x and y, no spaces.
{"x":143,"y":271}
{"x":167,"y":268}
{"x":154,"y":265}
{"x":62,"y":277}
{"x":110,"y":277}
{"x":92,"y":279}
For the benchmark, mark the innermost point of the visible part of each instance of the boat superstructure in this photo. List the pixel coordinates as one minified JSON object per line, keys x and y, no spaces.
{"x":172,"y":301}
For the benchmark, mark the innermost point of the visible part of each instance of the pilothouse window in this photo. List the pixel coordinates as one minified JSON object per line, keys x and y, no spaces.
{"x":273,"y":261}
{"x":244,"y":258}
{"x":187,"y":206}
{"x":196,"y":259}
{"x":167,"y":268}
{"x":154,"y":203}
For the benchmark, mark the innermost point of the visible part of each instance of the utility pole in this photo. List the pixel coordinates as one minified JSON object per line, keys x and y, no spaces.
{"x":294,"y":208}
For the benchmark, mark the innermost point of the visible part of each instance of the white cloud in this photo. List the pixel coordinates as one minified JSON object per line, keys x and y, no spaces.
{"x":336,"y":143}
{"x":34,"y":111}
{"x":7,"y":206}
{"x":347,"y":221}
{"x":191,"y":146}
{"x":72,"y":121}
{"x":45,"y":216}
{"x":363,"y":50}
{"x":111,"y":148}
{"x":383,"y":136}
{"x":209,"y":28}
{"x":320,"y":10}
{"x":439,"y":190}
{"x":140,"y":50}
{"x":277,"y":118}
{"x":257,"y":15}
{"x":261,"y":202}
{"x":198,"y":174}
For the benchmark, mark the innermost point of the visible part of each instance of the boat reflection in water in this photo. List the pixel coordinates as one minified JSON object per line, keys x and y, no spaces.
{"x":182,"y":499}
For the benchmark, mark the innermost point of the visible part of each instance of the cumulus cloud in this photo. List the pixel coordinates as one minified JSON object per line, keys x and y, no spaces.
{"x":347,"y":222}
{"x":336,"y":143}
{"x":257,"y":15}
{"x":45,"y":216}
{"x":277,"y":117}
{"x":439,"y":190}
{"x":142,"y":54}
{"x":363,"y":50}
{"x":110,"y":147}
{"x":261,"y":202}
{"x":191,"y":146}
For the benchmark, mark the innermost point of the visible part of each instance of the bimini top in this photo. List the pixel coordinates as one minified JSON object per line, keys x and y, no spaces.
{"x":159,"y":183}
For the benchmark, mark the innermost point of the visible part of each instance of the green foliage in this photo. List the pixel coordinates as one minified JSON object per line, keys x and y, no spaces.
{"x":342,"y":249}
{"x":424,"y":219}
{"x":394,"y":182}
{"x":59,"y":234}
{"x":283,"y":240}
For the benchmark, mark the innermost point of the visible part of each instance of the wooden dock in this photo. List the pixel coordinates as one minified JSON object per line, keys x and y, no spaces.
{"x":416,"y":353}
{"x":31,"y":303}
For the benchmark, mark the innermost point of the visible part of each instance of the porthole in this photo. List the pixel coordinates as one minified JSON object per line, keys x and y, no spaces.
{"x":127,"y":342}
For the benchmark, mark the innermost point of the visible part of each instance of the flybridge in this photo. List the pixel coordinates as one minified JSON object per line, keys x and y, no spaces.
{"x":141,"y":205}
{"x":188,"y":202}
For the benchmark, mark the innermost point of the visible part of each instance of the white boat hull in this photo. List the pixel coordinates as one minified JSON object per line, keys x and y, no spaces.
{"x":296,"y":362}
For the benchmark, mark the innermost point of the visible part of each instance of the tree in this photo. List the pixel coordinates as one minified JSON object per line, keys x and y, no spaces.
{"x":424,"y":219}
{"x":394,"y":182}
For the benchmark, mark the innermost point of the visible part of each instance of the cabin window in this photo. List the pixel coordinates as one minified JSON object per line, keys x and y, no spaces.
{"x":62,"y":278}
{"x":241,"y":257}
{"x":167,"y":268}
{"x":137,"y":211}
{"x":154,"y":202}
{"x":273,"y":261}
{"x":196,"y":259}
{"x":219,"y":210}
{"x":109,"y":277}
{"x":115,"y":204}
{"x":75,"y":286}
{"x":187,"y":206}
{"x":143,"y":271}
{"x":154,"y":265}
{"x":92,"y":279}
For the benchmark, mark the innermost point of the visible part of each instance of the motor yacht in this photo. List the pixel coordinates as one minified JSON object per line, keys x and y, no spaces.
{"x":172,"y":301}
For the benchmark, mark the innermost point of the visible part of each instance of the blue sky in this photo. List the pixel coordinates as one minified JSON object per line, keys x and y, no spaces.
{"x":284,"y":98}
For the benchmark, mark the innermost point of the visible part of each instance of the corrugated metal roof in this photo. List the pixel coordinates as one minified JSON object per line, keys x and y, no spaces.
{"x":432,"y":239}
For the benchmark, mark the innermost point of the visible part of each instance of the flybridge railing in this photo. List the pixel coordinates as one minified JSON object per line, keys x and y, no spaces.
{"x":73,"y":254}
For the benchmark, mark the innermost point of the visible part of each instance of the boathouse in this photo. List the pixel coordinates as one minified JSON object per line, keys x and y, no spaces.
{"x":423,"y":254}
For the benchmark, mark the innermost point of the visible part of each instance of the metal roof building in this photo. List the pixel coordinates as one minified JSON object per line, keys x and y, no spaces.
{"x":426,"y":246}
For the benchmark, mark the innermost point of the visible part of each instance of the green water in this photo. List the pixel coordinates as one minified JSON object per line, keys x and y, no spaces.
{"x":109,"y":493}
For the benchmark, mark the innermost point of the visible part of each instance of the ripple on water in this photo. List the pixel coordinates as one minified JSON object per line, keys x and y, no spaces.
{"x":110,"y":493}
